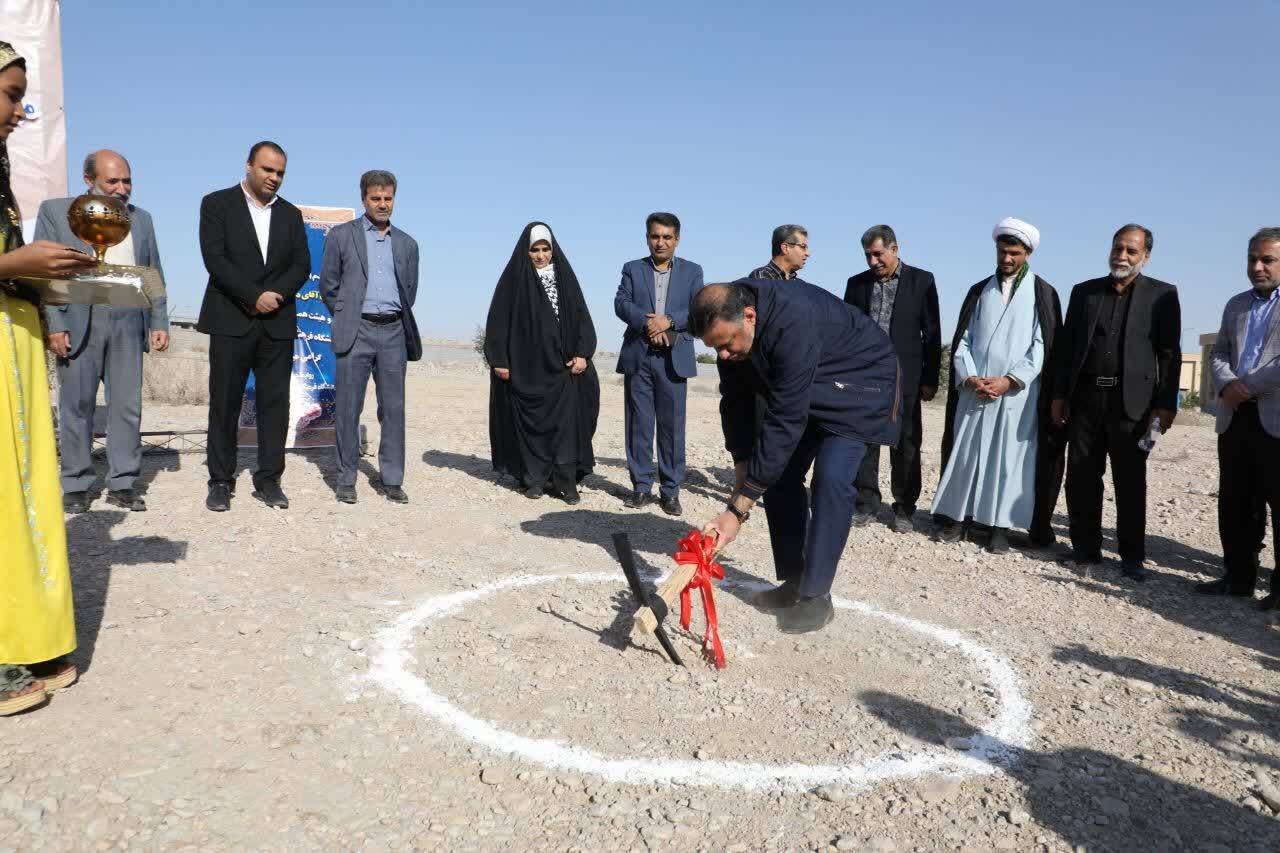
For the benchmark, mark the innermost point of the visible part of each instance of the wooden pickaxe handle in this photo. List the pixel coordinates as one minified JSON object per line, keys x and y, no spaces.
{"x":669,"y":591}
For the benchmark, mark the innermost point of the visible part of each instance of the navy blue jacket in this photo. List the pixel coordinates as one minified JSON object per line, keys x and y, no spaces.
{"x":636,"y":297}
{"x":817,"y":360}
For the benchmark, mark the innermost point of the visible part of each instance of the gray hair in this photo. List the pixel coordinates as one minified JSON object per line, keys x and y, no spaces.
{"x":786,"y":234}
{"x":1147,"y":239}
{"x":376,"y":178}
{"x":1264,"y":235}
{"x":91,"y":164}
{"x":879,"y":232}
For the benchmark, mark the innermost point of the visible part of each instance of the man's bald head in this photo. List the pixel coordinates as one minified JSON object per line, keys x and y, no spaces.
{"x":107,"y":173}
{"x":724,"y":317}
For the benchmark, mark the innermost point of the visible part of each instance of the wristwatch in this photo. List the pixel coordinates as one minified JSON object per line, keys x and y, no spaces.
{"x":738,"y":514}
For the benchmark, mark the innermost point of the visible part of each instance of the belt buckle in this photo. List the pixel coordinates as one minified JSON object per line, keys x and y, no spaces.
{"x":1105,"y":381}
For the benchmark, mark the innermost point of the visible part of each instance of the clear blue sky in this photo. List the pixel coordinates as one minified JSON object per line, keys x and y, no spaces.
{"x":937,"y":118}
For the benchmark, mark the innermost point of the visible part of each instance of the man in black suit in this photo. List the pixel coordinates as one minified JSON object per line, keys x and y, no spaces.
{"x":903,"y":300}
{"x":1117,"y":369}
{"x":255,"y":249}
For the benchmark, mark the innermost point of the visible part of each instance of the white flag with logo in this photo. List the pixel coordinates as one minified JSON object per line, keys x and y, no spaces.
{"x":38,"y":148}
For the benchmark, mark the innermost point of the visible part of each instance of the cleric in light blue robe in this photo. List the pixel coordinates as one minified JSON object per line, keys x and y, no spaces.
{"x":990,"y":476}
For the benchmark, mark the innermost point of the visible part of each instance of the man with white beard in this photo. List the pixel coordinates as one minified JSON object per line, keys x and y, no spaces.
{"x":1116,"y":370}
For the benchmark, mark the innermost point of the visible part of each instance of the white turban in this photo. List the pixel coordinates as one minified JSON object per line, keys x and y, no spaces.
{"x":539,"y":232}
{"x":1024,"y":232}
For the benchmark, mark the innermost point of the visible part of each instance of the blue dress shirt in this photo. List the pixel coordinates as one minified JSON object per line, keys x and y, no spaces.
{"x":1259,"y":319}
{"x":381,"y":296}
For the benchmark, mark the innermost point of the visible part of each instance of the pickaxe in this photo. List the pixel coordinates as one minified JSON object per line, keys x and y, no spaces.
{"x":654,"y":606}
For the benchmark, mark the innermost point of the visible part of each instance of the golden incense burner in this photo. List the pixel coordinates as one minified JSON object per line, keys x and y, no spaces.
{"x":99,"y":220}
{"x":103,"y":222}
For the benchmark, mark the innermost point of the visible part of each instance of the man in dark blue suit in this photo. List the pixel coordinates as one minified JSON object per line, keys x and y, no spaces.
{"x":833,"y":386}
{"x":657,"y":359}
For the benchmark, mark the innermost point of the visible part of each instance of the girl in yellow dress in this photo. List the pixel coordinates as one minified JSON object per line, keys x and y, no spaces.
{"x":37,"y":625}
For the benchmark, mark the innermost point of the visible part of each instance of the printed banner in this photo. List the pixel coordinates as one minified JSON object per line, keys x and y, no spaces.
{"x":38,"y":149}
{"x":311,"y":395}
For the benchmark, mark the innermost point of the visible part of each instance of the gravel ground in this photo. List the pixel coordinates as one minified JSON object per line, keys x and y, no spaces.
{"x":226,"y":700}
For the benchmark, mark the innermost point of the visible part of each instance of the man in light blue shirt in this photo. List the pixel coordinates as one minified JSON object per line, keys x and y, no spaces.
{"x":1260,"y":310}
{"x":381,"y":297}
{"x":369,"y":280}
{"x":1245,"y":365}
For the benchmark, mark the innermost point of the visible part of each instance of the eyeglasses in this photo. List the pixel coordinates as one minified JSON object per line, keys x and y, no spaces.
{"x":804,"y":246}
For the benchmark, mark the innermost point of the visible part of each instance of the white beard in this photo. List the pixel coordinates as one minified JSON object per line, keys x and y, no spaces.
{"x":1122,"y":271}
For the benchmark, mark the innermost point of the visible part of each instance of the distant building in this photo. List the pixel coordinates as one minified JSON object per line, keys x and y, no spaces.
{"x":1208,"y":398}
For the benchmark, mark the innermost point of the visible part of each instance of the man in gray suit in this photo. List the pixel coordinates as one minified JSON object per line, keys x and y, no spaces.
{"x":1245,"y":364}
{"x":369,"y":280}
{"x":98,"y":343}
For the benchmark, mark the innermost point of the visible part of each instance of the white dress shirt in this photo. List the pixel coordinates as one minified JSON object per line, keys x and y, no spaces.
{"x":261,"y":216}
{"x":122,"y":252}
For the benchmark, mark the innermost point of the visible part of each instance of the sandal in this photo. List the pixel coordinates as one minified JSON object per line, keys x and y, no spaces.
{"x":18,"y":690}
{"x":57,"y":674}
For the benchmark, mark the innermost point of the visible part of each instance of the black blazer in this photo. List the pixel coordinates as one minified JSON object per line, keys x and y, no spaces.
{"x":237,"y":274}
{"x":915,"y":329}
{"x":1152,"y":358}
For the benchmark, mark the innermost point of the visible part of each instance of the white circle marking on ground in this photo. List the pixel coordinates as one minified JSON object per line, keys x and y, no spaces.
{"x":991,"y":749}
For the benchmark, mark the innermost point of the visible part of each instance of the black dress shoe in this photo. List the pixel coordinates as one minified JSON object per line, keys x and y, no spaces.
{"x":1272,"y":601}
{"x":784,"y":595}
{"x":271,"y":495}
{"x":806,"y":615}
{"x":345,"y":494}
{"x":1083,"y":559}
{"x":949,"y":533}
{"x":571,"y":497}
{"x":902,"y":522}
{"x":533,"y":492}
{"x":1038,"y":539}
{"x":127,"y":498}
{"x":862,"y":519}
{"x":636,"y":500}
{"x":75,"y":502}
{"x":395,"y":494}
{"x":219,"y":499}
{"x":1222,"y":587}
{"x":671,"y":505}
{"x":1133,"y":570}
{"x":999,"y":541}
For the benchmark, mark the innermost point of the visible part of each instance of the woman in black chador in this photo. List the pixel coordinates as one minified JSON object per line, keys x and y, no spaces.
{"x":544,"y":396}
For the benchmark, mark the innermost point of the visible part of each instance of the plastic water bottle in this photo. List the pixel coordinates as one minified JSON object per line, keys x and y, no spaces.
{"x":1148,"y":441}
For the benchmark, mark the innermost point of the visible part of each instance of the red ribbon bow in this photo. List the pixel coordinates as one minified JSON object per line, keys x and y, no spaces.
{"x":699,"y":550}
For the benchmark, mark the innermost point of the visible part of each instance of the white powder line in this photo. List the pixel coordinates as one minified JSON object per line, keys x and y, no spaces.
{"x":992,"y":749}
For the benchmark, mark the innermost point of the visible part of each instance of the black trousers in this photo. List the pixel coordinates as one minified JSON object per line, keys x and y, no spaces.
{"x":1051,"y":465}
{"x":230,"y":360}
{"x":1098,"y":430}
{"x":904,"y":466}
{"x":1248,"y":482}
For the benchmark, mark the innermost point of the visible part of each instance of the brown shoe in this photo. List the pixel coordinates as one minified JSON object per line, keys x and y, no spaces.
{"x":18,"y":690}
{"x":57,"y":674}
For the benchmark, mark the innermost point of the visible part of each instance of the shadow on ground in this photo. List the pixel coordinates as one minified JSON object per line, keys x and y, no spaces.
{"x":94,"y":556}
{"x":1259,"y":711}
{"x":1091,"y":798}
